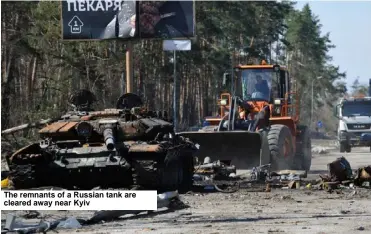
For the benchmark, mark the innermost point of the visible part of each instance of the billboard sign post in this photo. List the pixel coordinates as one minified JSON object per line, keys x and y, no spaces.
{"x":127,"y":20}
{"x":174,"y":45}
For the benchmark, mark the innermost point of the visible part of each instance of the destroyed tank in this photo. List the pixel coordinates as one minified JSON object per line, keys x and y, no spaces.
{"x":125,"y":147}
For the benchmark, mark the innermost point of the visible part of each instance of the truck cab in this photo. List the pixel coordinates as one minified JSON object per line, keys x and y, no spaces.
{"x":354,"y":126}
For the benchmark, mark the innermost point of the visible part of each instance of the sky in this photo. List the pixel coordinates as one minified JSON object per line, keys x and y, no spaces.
{"x":349,"y":25}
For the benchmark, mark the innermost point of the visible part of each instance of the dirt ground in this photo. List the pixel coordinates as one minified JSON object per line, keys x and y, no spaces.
{"x":278,"y":211}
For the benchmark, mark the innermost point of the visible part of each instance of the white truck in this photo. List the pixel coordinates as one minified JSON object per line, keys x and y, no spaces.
{"x":354,"y":128}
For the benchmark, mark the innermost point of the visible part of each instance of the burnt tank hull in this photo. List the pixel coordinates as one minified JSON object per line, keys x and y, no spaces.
{"x":113,"y":148}
{"x":147,"y":166}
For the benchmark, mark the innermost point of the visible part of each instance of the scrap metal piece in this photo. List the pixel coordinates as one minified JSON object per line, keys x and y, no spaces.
{"x":363,"y":176}
{"x":340,"y":170}
{"x":12,"y":225}
{"x":145,"y":148}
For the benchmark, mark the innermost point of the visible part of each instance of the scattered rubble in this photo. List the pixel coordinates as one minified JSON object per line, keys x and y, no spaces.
{"x":168,"y":200}
{"x":320,"y":150}
{"x":221,"y":176}
{"x":340,"y":175}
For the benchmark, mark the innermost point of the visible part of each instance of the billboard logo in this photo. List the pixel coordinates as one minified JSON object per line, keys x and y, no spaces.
{"x":75,"y":24}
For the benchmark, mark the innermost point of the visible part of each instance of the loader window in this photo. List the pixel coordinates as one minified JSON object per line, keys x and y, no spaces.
{"x":257,"y":84}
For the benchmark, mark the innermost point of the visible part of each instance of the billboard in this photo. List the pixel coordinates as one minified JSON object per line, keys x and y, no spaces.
{"x":117,"y":19}
{"x":98,"y":19}
{"x":166,"y":19}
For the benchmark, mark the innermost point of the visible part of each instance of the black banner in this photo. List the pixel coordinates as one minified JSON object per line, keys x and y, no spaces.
{"x":117,"y":19}
{"x":166,"y":19}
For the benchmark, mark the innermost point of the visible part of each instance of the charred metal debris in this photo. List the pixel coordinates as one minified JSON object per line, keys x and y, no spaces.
{"x":221,"y":176}
{"x":340,"y":175}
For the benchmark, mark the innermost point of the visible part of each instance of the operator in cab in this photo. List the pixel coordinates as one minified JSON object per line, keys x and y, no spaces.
{"x":261,"y":89}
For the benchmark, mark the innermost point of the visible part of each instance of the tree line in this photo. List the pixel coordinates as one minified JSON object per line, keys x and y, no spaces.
{"x":40,"y":71}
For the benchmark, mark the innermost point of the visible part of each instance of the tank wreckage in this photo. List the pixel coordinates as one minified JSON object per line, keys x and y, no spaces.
{"x":125,"y":147}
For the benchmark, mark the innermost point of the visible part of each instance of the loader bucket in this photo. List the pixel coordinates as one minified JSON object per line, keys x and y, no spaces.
{"x":241,"y":148}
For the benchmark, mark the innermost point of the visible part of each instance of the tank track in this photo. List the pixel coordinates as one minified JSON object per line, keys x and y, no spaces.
{"x":171,"y":171}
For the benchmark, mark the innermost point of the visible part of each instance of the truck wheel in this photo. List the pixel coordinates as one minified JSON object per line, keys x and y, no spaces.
{"x":348,"y":148}
{"x":281,"y":147}
{"x":342,"y":147}
{"x":303,"y":155}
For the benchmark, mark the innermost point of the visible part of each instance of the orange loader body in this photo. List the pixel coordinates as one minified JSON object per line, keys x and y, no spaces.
{"x":274,"y":135}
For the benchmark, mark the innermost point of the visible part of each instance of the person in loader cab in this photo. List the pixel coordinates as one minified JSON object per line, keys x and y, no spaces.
{"x":261,"y":88}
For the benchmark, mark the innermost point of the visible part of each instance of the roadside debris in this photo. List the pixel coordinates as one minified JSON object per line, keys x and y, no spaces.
{"x":320,"y":150}
{"x":168,"y":200}
{"x":31,"y":214}
{"x":340,"y":175}
{"x":287,"y":179}
{"x":210,"y":175}
{"x":70,"y":223}
{"x":221,"y":176}
{"x":363,"y":177}
{"x":12,"y":225}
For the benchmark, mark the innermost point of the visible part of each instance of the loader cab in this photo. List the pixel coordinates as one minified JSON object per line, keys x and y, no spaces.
{"x":260,"y":85}
{"x":261,"y":82}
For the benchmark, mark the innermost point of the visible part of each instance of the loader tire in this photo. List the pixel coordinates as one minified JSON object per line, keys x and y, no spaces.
{"x":303,"y":155}
{"x":281,"y":147}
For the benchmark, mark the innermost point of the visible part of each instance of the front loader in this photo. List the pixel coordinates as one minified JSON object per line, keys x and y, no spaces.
{"x":257,"y":123}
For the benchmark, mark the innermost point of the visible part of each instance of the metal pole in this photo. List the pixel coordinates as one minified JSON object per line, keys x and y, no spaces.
{"x":175,"y":101}
{"x":311,"y":109}
{"x":231,"y":124}
{"x":232,"y":74}
{"x":129,"y":68}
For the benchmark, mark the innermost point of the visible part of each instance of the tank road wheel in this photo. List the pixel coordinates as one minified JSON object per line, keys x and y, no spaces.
{"x":303,"y":155}
{"x":188,"y":171}
{"x":23,"y":176}
{"x":281,"y":147}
